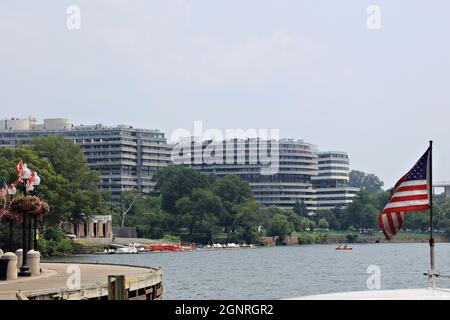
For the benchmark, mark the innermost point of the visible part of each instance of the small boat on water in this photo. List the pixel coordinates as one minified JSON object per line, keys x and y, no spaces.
{"x":166,"y":247}
{"x":343,"y":248}
{"x":128,"y":249}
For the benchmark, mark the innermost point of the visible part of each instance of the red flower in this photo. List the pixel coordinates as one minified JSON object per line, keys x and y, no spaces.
{"x":6,"y":217}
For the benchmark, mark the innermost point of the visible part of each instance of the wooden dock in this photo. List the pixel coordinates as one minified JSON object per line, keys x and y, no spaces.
{"x":60,"y":281}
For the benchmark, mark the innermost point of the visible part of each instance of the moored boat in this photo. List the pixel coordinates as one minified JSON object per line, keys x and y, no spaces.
{"x":343,"y":248}
{"x":129,"y":249}
{"x":166,"y":247}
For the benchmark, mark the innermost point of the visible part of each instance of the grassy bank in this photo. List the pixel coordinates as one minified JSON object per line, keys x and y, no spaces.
{"x":55,"y":243}
{"x":67,"y":247}
{"x":318,"y":237}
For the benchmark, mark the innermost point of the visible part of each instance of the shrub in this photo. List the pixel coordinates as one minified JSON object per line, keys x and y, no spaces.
{"x":42,"y":245}
{"x":171,"y":238}
{"x":352,"y":237}
{"x":323,"y":224}
{"x":307,"y":238}
{"x":55,"y":234}
{"x":65,"y":246}
{"x":52,"y":247}
{"x":323,"y":237}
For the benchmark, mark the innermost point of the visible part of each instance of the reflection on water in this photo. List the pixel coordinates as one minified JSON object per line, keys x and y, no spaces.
{"x":284,"y":272}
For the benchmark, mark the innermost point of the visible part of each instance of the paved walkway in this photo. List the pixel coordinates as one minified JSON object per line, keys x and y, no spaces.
{"x":56,"y":275}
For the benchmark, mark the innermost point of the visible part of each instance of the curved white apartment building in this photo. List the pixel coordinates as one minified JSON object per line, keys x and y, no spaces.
{"x":332,"y":182}
{"x":279,"y":171}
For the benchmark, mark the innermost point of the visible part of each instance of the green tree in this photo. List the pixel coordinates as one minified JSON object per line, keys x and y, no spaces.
{"x":200,"y":213}
{"x":300,"y":208}
{"x":445,"y":224}
{"x":248,"y":222}
{"x":233,"y":192}
{"x":329,"y":216}
{"x":368,"y":217}
{"x":368,"y":182}
{"x":81,"y":190}
{"x":306,"y":224}
{"x":417,"y":220}
{"x":379,"y":199}
{"x":54,"y":188}
{"x":124,"y":206}
{"x":323,"y":224}
{"x":361,"y":213}
{"x":68,"y":160}
{"x":175,"y":182}
{"x":280,"y":226}
{"x":441,"y":209}
{"x":149,"y":219}
{"x":292,"y":217}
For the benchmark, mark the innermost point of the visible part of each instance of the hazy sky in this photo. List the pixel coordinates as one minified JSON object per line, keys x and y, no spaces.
{"x":311,"y":69}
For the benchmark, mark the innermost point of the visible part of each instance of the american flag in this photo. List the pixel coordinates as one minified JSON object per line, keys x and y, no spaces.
{"x":410,"y":193}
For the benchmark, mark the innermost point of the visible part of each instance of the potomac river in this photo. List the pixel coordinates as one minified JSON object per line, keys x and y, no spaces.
{"x":283,"y":272}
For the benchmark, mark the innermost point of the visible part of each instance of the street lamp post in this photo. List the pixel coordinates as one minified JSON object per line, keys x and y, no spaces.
{"x":30,"y":232}
{"x":35,"y":246}
{"x":11,"y":192}
{"x":24,"y":269}
{"x":37,"y":182}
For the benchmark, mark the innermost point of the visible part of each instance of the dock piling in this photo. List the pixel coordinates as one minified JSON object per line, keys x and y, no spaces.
{"x":117,"y":287}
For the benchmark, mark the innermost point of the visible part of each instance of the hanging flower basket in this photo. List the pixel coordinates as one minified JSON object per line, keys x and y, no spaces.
{"x":22,"y":204}
{"x":42,"y":208}
{"x":7,"y":217}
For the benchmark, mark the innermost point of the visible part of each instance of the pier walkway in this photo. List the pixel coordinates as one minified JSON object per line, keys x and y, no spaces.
{"x":60,"y":281}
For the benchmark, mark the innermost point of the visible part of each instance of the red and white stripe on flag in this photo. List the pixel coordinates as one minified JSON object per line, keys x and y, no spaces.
{"x":411,"y":193}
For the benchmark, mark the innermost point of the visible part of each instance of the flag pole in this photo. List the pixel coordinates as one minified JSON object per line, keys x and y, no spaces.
{"x":431,"y":242}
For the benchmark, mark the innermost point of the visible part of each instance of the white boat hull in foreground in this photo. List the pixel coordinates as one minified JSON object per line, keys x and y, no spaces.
{"x":401,"y":294}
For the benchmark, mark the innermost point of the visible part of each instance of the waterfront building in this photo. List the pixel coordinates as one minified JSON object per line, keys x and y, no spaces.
{"x":332,"y":182}
{"x":125,"y":157}
{"x":279,"y":171}
{"x":96,"y":227}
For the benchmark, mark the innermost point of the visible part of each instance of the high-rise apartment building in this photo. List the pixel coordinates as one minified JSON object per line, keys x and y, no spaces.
{"x":279,"y":171}
{"x":125,"y":157}
{"x":332,"y":182}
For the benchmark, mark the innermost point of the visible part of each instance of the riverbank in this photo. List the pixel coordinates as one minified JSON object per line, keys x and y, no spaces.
{"x":94,"y":246}
{"x":336,"y":237}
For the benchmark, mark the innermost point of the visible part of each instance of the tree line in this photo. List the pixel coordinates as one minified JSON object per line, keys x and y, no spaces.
{"x":191,"y":205}
{"x":67,"y":185}
{"x":199,"y":207}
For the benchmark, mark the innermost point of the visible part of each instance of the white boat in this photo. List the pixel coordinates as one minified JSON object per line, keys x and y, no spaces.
{"x":129,"y":249}
{"x":108,"y":251}
{"x":400,"y":294}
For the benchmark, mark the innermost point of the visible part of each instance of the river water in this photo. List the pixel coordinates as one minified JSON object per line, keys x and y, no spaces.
{"x":284,"y":272}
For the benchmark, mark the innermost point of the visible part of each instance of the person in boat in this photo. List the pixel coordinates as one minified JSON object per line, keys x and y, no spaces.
{"x":345,"y":246}
{"x":339,"y":247}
